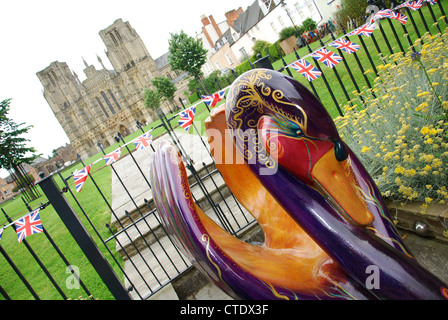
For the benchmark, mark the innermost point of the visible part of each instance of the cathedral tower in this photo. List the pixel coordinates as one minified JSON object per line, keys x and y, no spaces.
{"x":124,"y":46}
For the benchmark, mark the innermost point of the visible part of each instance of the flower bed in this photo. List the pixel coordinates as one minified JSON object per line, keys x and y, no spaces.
{"x":399,"y":127}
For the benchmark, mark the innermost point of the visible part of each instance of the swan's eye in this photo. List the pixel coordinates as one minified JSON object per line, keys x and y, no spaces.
{"x":340,"y":151}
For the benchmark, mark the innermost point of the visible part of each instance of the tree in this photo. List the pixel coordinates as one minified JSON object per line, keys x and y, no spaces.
{"x":186,"y":54}
{"x":151,"y":98}
{"x":13,"y":150}
{"x":351,"y":9}
{"x":165,"y":88}
{"x":309,"y":24}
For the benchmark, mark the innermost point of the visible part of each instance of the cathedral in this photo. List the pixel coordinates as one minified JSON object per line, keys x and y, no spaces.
{"x":107,"y":101}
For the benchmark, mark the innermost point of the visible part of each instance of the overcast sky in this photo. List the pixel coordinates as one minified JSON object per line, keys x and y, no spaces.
{"x":35,"y":33}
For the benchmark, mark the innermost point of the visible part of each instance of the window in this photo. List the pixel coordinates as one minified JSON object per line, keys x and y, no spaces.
{"x":115,"y":100}
{"x":243,"y":53}
{"x":274,"y":27}
{"x":217,"y":64}
{"x":312,"y":8}
{"x":51,"y":79}
{"x":111,"y":108}
{"x":118,"y":35}
{"x":113,"y":39}
{"x":102,"y":107}
{"x":280,"y":20}
{"x":229,"y":59}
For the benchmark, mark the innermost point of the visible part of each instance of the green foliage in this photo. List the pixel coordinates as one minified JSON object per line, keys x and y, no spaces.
{"x":165,"y":87}
{"x":186,"y":53}
{"x":259,"y":46}
{"x":151,"y":98}
{"x":351,"y":9}
{"x":13,"y":149}
{"x":193,"y":84}
{"x":194,"y":97}
{"x":288,"y":32}
{"x":309,"y":24}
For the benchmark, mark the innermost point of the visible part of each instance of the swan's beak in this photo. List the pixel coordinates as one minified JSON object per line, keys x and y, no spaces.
{"x":337,"y":181}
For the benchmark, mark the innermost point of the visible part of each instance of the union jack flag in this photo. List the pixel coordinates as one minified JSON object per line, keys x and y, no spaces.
{"x":327,"y":57}
{"x":365,"y":30}
{"x":212,"y":100}
{"x":143,"y":141}
{"x":112,"y":157}
{"x":80,"y":176}
{"x":345,"y":45}
{"x":400,"y":17}
{"x":1,"y":233}
{"x":28,"y":225}
{"x":413,"y":5}
{"x":186,"y":118}
{"x":385,"y":13}
{"x":431,"y":1}
{"x":306,"y":69}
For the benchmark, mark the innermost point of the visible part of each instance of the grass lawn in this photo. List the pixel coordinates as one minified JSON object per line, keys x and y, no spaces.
{"x":97,"y":209}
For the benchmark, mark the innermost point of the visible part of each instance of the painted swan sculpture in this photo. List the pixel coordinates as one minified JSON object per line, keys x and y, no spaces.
{"x":327,"y":230}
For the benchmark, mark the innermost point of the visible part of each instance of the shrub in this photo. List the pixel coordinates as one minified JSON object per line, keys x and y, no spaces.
{"x":287,"y":32}
{"x":399,"y":128}
{"x":259,"y":46}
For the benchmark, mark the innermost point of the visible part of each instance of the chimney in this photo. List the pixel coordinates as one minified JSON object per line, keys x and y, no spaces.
{"x":204,"y":20}
{"x":215,"y":26}
{"x":232,"y":15}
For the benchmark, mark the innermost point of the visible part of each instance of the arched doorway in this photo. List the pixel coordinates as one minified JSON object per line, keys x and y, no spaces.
{"x":124,"y":130}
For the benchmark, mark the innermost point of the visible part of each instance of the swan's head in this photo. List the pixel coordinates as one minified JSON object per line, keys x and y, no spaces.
{"x":275,"y":121}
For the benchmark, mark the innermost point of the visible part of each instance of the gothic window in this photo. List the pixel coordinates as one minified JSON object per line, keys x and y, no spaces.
{"x":54,"y":75}
{"x":113,"y":39}
{"x":118,"y":35}
{"x":111,"y":108}
{"x":51,"y":79}
{"x":168,"y":75}
{"x":102,"y":107}
{"x":115,"y":100}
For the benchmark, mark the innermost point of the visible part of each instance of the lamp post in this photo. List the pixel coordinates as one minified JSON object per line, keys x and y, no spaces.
{"x":284,"y":6}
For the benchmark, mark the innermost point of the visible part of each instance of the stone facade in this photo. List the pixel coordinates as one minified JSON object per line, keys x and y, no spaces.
{"x":107,"y":101}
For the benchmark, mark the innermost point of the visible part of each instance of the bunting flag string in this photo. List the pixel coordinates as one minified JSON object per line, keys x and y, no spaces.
{"x":28,"y":225}
{"x":143,"y":141}
{"x":327,"y":57}
{"x":345,"y":45}
{"x":414,"y":5}
{"x":331,"y":59}
{"x":186,"y":117}
{"x":364,"y":30}
{"x":306,"y":69}
{"x":212,"y":100}
{"x":112,"y":157}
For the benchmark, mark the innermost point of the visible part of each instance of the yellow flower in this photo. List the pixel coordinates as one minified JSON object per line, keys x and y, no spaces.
{"x":365,"y":149}
{"x":399,"y":170}
{"x":423,"y":94}
{"x":424,"y":130}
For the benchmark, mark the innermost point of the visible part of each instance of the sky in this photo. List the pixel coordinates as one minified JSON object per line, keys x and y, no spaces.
{"x":34,"y":34}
